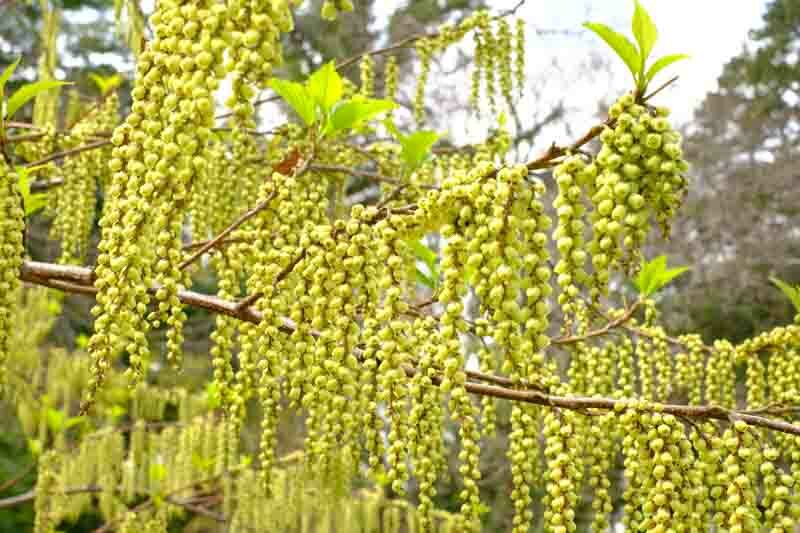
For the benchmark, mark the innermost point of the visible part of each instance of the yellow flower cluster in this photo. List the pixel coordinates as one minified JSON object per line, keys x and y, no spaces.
{"x":12,"y":225}
{"x":74,"y":205}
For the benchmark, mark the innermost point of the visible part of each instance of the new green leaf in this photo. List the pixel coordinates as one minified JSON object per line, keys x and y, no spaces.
{"x":645,"y":33}
{"x":417,"y":147}
{"x":213,"y":397}
{"x":27,"y":92}
{"x":654,"y":275}
{"x":625,"y":49}
{"x":31,"y":202}
{"x":661,"y":64}
{"x":158,"y":472}
{"x":6,"y":75}
{"x":106,"y":84}
{"x":325,"y":86}
{"x":793,"y":293}
{"x":427,"y":256}
{"x":424,"y":279}
{"x":55,"y":420}
{"x":353,"y":113}
{"x":298,"y":98}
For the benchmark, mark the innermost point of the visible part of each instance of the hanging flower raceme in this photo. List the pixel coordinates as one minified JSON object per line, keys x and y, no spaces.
{"x":160,"y":151}
{"x":12,"y":226}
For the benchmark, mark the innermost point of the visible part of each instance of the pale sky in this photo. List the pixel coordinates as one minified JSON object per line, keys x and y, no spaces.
{"x":710,"y":31}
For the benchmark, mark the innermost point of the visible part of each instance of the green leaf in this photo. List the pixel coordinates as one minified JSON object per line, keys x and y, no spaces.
{"x":391,"y":128}
{"x":325,"y":86}
{"x":296,"y":95}
{"x":661,"y":64}
{"x":644,"y":279}
{"x":424,"y":254}
{"x":74,"y":421}
{"x":213,"y":398}
{"x":55,"y":420}
{"x":645,"y":33}
{"x":625,"y":49}
{"x":117,"y":411}
{"x":35,"y":446}
{"x":6,"y":75}
{"x":352,"y":113}
{"x":158,"y":472}
{"x":82,"y":341}
{"x":27,"y":92}
{"x":106,"y":84}
{"x":35,"y":203}
{"x":793,"y":293}
{"x":417,"y":147}
{"x":427,"y":256}
{"x":469,"y":274}
{"x":425,"y":279}
{"x":654,"y":275}
{"x":665,"y":277}
{"x":31,"y":202}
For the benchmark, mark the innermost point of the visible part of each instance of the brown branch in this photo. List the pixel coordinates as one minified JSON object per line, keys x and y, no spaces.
{"x":253,"y":298}
{"x":30,"y":495}
{"x":296,"y":171}
{"x":197,"y":509}
{"x":21,"y":126}
{"x":660,"y":88}
{"x":713,"y":412}
{"x":23,"y":138}
{"x":199,"y":244}
{"x":513,"y":10}
{"x":70,"y":152}
{"x":227,"y":231}
{"x":78,"y":279}
{"x":169,"y":497}
{"x":354,"y":172}
{"x":42,"y":186}
{"x":612,"y":324}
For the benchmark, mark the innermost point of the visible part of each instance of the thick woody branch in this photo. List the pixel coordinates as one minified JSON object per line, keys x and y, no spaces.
{"x":30,"y":495}
{"x":78,"y":280}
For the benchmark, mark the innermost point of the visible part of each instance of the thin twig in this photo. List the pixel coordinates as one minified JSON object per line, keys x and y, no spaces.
{"x":70,"y":152}
{"x":253,"y":298}
{"x":227,"y":231}
{"x":660,"y":88}
{"x":199,"y":244}
{"x":513,"y":10}
{"x":612,"y":324}
{"x":297,"y":171}
{"x":23,"y":138}
{"x":41,"y":186}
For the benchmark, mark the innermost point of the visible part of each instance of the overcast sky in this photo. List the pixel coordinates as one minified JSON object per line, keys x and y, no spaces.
{"x":710,"y":31}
